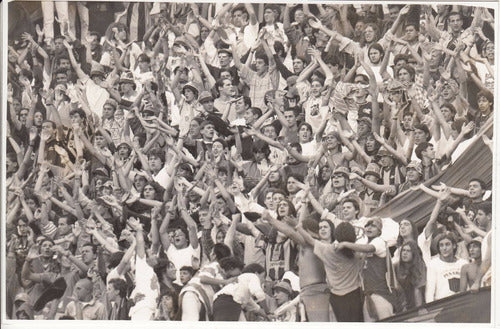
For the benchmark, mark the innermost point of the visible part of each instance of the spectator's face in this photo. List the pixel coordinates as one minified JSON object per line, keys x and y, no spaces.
{"x":189,"y":94}
{"x":363,"y":128}
{"x":405,"y":228}
{"x":489,"y":51}
{"x":111,"y":292}
{"x":46,"y":249}
{"x":185,"y":276}
{"x":430,"y":152}
{"x":205,"y":219}
{"x":393,"y":13}
{"x":204,"y":32}
{"x":455,"y":23}
{"x":304,"y":134}
{"x":217,"y":149}
{"x":407,"y":122}
{"x":299,"y":16}
{"x":139,"y":183}
{"x":411,"y":33}
{"x":274,"y":176}
{"x":404,"y":76}
{"x":149,"y":192}
{"x":180,"y":239}
{"x":369,"y":34}
{"x":269,"y":201}
{"x":208,"y":105}
{"x":448,"y":116}
{"x":447,"y":92}
{"x":249,"y":117}
{"x":76,"y":119}
{"x":412,"y":175}
{"x":283,"y":208}
{"x":298,"y":65}
{"x":208,"y":131}
{"x":83,"y":290}
{"x":238,"y":18}
{"x":281,"y":297}
{"x":107,"y":112}
{"x":38,"y":119}
{"x":171,"y":271}
{"x":277,"y":198}
{"x":58,"y":44}
{"x":484,"y":105}
{"x":270,"y":132}
{"x":290,"y":117}
{"x":240,"y":105}
{"x":88,"y":255}
{"x":435,"y":58}
{"x":23,"y":116}
{"x":359,"y":27}
{"x":325,"y":231}
{"x":167,"y":302}
{"x":227,"y":87}
{"x":16,"y":104}
{"x":326,"y":173}
{"x":224,"y":59}
{"x":338,"y":180}
{"x":62,"y":226}
{"x":371,"y":231}
{"x":260,"y":65}
{"x":61,"y":78}
{"x":194,"y":127}
{"x":349,"y":211}
{"x":374,"y":55}
{"x":65,"y":64}
{"x":445,"y":248}
{"x":474,"y":250}
{"x":406,"y":254}
{"x":482,"y":219}
{"x":220,"y":236}
{"x":22,"y":228}
{"x":316,"y":88}
{"x":370,"y":144}
{"x":475,"y":190}
{"x":155,"y":162}
{"x":331,"y":142}
{"x":420,"y":136}
{"x":269,"y":16}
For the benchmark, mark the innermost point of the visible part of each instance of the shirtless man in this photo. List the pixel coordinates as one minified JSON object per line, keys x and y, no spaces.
{"x":469,"y":271}
{"x":313,"y":287}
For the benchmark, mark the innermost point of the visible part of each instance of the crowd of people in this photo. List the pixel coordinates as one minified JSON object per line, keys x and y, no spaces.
{"x":223,"y":165}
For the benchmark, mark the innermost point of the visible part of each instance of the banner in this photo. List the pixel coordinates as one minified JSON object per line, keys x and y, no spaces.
{"x":475,"y":162}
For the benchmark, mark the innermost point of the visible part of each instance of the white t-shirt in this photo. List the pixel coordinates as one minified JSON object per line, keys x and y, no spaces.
{"x":182,"y":257}
{"x":244,"y":291}
{"x":443,"y":279}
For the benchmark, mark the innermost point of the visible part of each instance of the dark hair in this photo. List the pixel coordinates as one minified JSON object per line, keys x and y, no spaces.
{"x":310,"y":225}
{"x":291,"y":208}
{"x":221,"y":251}
{"x":253,"y":268}
{"x":120,"y":285}
{"x":345,"y":232}
{"x":414,"y":232}
{"x":409,"y":69}
{"x":115,"y":259}
{"x":157,"y":153}
{"x":414,"y":272}
{"x":231,"y":263}
{"x":354,"y":202}
{"x":450,"y":236}
{"x":485,"y":207}
{"x":189,"y":269}
{"x":332,"y":228}
{"x":450,"y":107}
{"x":424,"y":128}
{"x":262,"y":57}
{"x":378,"y":47}
{"x":421,"y":148}
{"x":481,"y":182}
{"x":93,"y":246}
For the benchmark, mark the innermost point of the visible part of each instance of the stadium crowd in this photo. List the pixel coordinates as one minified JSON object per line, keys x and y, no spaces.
{"x":223,"y":165}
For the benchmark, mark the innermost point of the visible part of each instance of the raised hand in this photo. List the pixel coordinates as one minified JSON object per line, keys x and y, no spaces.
{"x":134,"y":223}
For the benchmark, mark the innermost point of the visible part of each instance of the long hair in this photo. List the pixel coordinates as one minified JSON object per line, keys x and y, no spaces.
{"x":410,"y":273}
{"x":414,"y":234}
